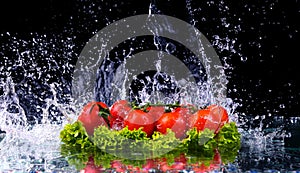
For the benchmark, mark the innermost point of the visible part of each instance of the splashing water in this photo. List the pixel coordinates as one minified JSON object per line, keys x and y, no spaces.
{"x":31,"y":106}
{"x":36,"y":102}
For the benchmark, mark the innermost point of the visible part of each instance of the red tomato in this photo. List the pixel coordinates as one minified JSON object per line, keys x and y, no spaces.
{"x":138,"y":118}
{"x":174,"y":121}
{"x":119,"y":111}
{"x":90,"y":117}
{"x":220,"y":114}
{"x":156,"y":112}
{"x":213,"y":118}
{"x":186,"y":113}
{"x":116,"y":123}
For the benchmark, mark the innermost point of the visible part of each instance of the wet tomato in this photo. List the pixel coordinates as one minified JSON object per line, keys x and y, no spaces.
{"x":156,"y":112}
{"x":137,"y":119}
{"x":94,"y":114}
{"x":175,"y":121}
{"x":213,"y":117}
{"x":120,"y":108}
{"x":220,"y":114}
{"x":119,"y":111}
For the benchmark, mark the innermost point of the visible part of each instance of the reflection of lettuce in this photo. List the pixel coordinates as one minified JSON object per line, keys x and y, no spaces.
{"x":133,"y":147}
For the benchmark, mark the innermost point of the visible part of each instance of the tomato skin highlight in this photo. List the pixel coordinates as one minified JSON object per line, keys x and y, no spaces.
{"x":174,"y":121}
{"x":90,"y":117}
{"x":220,"y":115}
{"x":119,"y":111}
{"x":137,"y":119}
{"x":156,"y":112}
{"x":213,"y":117}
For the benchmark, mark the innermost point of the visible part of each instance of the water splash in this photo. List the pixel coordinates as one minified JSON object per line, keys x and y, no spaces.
{"x":32,"y":105}
{"x":35,"y":97}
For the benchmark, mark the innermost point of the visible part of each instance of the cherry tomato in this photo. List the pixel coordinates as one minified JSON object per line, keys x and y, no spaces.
{"x":174,"y":121}
{"x":90,"y":116}
{"x":138,"y":118}
{"x":213,"y":117}
{"x":219,"y":112}
{"x":119,"y":111}
{"x":156,"y":112}
{"x":116,"y":123}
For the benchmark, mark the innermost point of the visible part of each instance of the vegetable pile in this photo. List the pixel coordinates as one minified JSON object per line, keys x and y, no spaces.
{"x":132,"y":136}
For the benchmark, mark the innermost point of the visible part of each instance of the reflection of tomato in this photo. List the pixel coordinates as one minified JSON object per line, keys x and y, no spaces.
{"x":90,"y":116}
{"x":174,"y":121}
{"x":92,"y":168}
{"x":216,"y":162}
{"x":118,"y":166}
{"x":150,"y":164}
{"x":214,"y":165}
{"x":213,"y":118}
{"x":118,"y":111}
{"x":137,"y":119}
{"x":163,"y":165}
{"x":180,"y":162}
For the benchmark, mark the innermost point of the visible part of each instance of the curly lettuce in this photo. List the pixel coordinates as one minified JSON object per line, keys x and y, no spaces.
{"x":134,"y":145}
{"x":228,"y":142}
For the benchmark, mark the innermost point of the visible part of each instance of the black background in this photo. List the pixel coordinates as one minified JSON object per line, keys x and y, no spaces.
{"x":268,"y":39}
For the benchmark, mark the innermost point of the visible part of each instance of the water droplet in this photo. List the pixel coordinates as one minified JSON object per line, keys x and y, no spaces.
{"x":244,"y":59}
{"x":170,"y":48}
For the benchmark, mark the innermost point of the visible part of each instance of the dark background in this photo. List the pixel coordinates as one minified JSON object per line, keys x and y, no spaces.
{"x":264,"y":74}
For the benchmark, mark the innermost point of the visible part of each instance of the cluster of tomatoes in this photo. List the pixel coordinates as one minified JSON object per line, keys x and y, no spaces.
{"x":178,"y":118}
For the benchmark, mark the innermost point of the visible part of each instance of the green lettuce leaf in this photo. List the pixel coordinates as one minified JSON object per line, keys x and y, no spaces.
{"x":228,"y":142}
